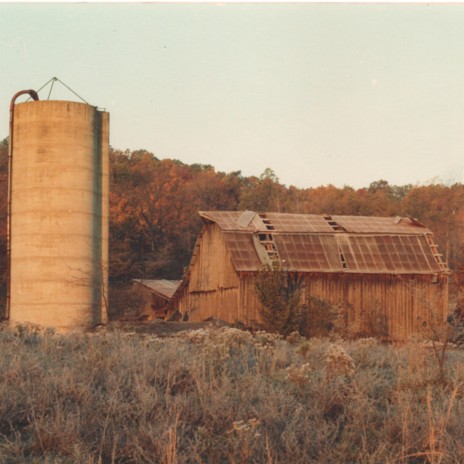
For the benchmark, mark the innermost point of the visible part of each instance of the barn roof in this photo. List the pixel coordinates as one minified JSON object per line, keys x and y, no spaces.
{"x":323,"y":243}
{"x":164,"y":288}
{"x":312,"y":223}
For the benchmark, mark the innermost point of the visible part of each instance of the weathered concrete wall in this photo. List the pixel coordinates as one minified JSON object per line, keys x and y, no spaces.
{"x":59,"y":215}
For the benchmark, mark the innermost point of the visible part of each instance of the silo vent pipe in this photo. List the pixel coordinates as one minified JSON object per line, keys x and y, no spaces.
{"x":33,"y":94}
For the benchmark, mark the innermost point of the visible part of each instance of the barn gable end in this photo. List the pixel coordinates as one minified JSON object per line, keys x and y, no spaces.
{"x":213,"y":282}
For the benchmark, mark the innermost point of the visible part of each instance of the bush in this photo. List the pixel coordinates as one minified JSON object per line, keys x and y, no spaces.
{"x":322,"y":319}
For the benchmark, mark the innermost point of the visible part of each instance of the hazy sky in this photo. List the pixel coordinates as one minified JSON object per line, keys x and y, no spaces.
{"x":320,"y":93}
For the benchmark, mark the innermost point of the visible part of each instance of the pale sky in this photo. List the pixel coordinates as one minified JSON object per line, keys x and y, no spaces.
{"x":341,"y":94}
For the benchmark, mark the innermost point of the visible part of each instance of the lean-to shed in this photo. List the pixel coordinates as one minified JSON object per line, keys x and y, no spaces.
{"x":378,"y":268}
{"x":155,"y":294}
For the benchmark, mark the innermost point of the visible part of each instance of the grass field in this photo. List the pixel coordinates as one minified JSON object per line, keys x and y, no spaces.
{"x":219,"y":395}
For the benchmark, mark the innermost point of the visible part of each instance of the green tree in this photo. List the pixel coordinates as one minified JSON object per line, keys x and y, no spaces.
{"x":264,"y":193}
{"x":279,"y":293}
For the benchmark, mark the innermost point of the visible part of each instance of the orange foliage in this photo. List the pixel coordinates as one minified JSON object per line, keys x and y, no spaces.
{"x":154,"y":207}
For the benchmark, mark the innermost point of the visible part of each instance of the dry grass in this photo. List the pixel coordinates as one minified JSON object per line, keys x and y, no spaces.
{"x":225,"y":396}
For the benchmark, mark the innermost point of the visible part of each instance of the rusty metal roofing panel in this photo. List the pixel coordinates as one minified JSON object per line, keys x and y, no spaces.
{"x":278,"y":222}
{"x":313,"y":223}
{"x":308,"y":253}
{"x":226,"y":220}
{"x":242,"y":251}
{"x":298,"y":222}
{"x":397,"y":254}
{"x":394,"y":254}
{"x":165,"y":288}
{"x":380,"y":225}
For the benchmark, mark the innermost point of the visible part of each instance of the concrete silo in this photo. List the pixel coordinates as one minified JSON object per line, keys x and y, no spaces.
{"x":58,"y":215}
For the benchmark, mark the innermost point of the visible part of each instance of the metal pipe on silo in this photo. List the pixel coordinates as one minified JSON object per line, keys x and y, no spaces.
{"x":33,"y":94}
{"x":59,"y":215}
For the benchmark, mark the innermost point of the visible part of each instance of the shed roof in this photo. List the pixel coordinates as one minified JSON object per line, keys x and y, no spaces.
{"x":164,"y":288}
{"x":322,"y":243}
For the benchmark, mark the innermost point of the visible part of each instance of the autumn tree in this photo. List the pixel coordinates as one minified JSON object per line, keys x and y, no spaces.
{"x":441,"y":208}
{"x":154,"y":212}
{"x":148,"y":200}
{"x":264,"y":193}
{"x":329,"y":200}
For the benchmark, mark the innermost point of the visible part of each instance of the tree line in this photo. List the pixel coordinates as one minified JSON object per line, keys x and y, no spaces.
{"x":154,"y":209}
{"x":154,"y":206}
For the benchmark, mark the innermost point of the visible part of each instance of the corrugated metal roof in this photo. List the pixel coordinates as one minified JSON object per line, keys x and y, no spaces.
{"x":165,"y":288}
{"x":398,"y":254}
{"x":242,"y":251}
{"x":316,"y":243}
{"x":317,"y":253}
{"x":314,"y":223}
{"x":232,"y":220}
{"x":380,"y":225}
{"x":226,"y":220}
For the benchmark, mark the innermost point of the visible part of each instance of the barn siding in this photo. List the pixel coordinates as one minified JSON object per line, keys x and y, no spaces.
{"x":180,"y":301}
{"x":402,"y":303}
{"x":400,"y":306}
{"x":397,"y":305}
{"x":219,"y":304}
{"x":213,"y":268}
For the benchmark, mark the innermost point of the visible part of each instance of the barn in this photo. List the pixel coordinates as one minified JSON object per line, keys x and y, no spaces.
{"x":378,"y":268}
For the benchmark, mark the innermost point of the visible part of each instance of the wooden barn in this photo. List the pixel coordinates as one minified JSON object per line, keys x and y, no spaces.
{"x":384,"y":268}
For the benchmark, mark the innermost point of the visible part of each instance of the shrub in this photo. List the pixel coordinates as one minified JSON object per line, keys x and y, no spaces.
{"x":279,"y":293}
{"x":322,"y":319}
